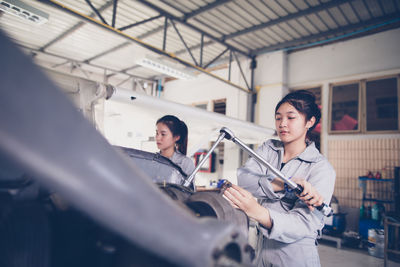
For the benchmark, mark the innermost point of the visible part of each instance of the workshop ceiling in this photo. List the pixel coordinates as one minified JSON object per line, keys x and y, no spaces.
{"x":108,"y":36}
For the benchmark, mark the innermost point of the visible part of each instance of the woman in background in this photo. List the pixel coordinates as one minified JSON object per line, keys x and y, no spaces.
{"x":290,"y":225}
{"x":172,"y":138}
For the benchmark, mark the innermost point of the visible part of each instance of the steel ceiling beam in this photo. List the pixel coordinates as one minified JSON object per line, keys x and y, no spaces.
{"x":201,"y":49}
{"x":170,"y":16}
{"x":368,"y":9}
{"x":160,"y":28}
{"x":215,"y":59}
{"x":139,"y":23}
{"x":63,"y":35}
{"x":165,"y":34}
{"x":344,"y":15}
{"x":114,"y":16}
{"x":97,"y":12}
{"x":279,"y":26}
{"x":113,"y":49}
{"x":322,"y":20}
{"x":355,"y":12}
{"x":180,"y":52}
{"x":286,"y":18}
{"x":68,"y":60}
{"x":205,"y":8}
{"x":241,"y":71}
{"x":60,"y":6}
{"x":374,"y":23}
{"x":197,"y":20}
{"x":184,"y":43}
{"x":73,"y":28}
{"x":230,"y":65}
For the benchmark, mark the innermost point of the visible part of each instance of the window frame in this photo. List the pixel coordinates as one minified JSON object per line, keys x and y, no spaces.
{"x":217,"y":101}
{"x":362,"y":106}
{"x":364,"y":129}
{"x":359,"y":112}
{"x":197,"y":104}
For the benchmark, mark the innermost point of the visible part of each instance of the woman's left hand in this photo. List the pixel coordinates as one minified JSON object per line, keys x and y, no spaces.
{"x":310,"y":195}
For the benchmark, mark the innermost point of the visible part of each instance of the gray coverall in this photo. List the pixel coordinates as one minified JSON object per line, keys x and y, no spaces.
{"x":292,"y":239}
{"x":183,"y":161}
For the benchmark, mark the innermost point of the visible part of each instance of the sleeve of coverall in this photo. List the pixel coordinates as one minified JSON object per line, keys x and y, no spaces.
{"x":300,"y":222}
{"x":254,"y":178}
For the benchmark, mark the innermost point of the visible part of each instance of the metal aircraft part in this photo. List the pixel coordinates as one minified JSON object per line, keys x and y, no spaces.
{"x":160,"y":169}
{"x":214,"y":205}
{"x":43,"y":132}
{"x":169,"y":176}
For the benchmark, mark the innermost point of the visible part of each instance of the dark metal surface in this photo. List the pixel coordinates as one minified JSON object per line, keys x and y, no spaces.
{"x":160,"y":169}
{"x":212,"y":204}
{"x":43,"y":132}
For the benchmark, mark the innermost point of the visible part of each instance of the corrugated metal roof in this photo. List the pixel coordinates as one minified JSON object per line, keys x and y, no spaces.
{"x":245,"y":27}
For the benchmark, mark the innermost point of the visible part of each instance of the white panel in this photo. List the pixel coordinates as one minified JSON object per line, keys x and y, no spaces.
{"x":201,"y":123}
{"x":367,"y":54}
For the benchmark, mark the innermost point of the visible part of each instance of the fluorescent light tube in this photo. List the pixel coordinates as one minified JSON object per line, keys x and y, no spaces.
{"x":24,"y":11}
{"x":164,"y":67}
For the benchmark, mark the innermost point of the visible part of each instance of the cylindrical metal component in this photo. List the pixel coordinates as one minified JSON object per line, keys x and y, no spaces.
{"x":213,"y":204}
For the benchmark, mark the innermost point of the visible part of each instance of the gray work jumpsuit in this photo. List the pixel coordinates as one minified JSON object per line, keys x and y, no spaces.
{"x":183,"y":161}
{"x":292,"y":239}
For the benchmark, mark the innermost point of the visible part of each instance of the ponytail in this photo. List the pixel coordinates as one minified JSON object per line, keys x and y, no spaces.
{"x":183,"y":140}
{"x":177,"y":128}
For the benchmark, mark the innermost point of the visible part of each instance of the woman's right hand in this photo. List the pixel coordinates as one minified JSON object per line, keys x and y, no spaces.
{"x":310,"y":195}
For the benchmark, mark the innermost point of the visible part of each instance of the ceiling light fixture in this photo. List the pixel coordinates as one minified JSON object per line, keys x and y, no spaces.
{"x":165,"y":67}
{"x":24,"y":11}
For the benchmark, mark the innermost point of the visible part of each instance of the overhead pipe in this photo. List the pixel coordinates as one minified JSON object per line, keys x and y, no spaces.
{"x":135,"y":98}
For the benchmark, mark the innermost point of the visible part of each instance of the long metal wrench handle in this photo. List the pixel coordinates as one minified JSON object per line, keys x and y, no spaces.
{"x":324,"y":208}
{"x":189,"y":180}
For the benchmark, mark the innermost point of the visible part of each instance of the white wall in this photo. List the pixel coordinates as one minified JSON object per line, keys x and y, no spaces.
{"x":205,"y":88}
{"x":271,"y":82}
{"x":374,"y":53}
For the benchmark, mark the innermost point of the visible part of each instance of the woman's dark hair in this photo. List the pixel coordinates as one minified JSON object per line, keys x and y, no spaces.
{"x":304,"y":102}
{"x":177,"y":128}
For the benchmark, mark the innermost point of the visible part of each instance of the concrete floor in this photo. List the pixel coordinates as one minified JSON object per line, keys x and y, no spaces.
{"x":346,"y":257}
